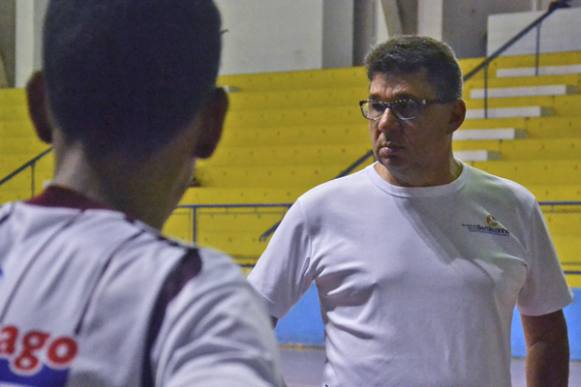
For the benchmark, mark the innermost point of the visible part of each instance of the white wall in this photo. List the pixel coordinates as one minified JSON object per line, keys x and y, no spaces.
{"x":283,"y":35}
{"x":464,"y":24}
{"x":337,"y":38}
{"x":558,"y":31}
{"x":431,"y":18}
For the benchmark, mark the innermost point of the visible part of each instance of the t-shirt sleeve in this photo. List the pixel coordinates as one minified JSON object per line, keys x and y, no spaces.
{"x":217,"y":333}
{"x":283,"y":273}
{"x":545,"y":290}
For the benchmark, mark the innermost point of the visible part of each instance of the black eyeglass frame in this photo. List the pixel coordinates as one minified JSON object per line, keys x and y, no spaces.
{"x":423,"y":103}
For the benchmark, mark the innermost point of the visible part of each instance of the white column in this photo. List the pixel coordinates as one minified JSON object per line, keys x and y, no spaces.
{"x":29,"y":22}
{"x":7,"y":42}
{"x":381,"y":28}
{"x":337,"y":33}
{"x":392,"y":17}
{"x":431,"y":18}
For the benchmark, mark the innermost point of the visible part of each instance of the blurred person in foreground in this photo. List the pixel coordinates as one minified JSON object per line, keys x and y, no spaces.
{"x":91,"y":294}
{"x":420,"y":259}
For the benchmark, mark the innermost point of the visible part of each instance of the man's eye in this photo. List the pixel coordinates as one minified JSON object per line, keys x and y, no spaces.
{"x":377,"y":106}
{"x":405,"y":103}
{"x":406,"y":107}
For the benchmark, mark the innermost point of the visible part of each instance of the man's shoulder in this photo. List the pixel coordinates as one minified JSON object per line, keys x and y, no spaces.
{"x":497,"y":186}
{"x":92,"y":232}
{"x":220,"y":266}
{"x":101,"y":230}
{"x":138,"y":254}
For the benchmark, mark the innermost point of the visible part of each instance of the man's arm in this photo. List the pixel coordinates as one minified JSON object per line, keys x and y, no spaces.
{"x":547,"y":362}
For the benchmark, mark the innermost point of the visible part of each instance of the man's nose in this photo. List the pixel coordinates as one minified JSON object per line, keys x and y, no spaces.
{"x":387,"y":121}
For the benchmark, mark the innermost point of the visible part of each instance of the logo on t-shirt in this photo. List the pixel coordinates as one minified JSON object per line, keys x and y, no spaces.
{"x":34,"y":357}
{"x":490,"y":226}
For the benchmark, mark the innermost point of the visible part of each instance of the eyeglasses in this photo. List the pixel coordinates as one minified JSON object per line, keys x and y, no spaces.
{"x":403,"y":108}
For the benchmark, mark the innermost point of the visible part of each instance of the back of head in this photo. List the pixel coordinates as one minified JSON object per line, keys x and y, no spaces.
{"x":129,"y":74}
{"x":410,"y":54}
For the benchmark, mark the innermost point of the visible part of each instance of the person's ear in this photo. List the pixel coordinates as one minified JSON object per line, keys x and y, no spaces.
{"x":457,"y":115}
{"x":38,"y":107}
{"x":211,"y":124}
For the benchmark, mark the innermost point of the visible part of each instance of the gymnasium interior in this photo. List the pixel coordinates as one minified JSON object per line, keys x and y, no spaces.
{"x":293,"y":72}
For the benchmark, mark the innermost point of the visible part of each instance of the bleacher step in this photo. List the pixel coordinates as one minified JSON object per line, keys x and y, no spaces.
{"x":489,"y":134}
{"x":525,"y":91}
{"x":477,"y":155}
{"x":543,"y":70}
{"x":523,"y":111}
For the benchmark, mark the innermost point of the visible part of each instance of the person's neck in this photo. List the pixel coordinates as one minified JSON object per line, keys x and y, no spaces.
{"x":446,"y":174}
{"x":136,"y":190}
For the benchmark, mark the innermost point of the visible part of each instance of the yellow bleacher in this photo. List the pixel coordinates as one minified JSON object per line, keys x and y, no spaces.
{"x":18,"y":144}
{"x":287,"y":132}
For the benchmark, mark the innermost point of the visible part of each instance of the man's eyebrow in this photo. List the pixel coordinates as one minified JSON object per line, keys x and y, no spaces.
{"x":396,"y":96}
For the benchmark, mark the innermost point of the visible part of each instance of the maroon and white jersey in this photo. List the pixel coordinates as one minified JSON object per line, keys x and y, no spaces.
{"x":89,"y":297}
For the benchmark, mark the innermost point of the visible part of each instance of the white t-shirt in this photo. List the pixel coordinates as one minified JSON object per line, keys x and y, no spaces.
{"x":89,"y":297}
{"x":417,"y":285}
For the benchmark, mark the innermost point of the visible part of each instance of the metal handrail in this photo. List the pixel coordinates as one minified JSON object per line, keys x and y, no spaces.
{"x":195,"y":207}
{"x":355,"y":164}
{"x":29,"y":164}
{"x":549,"y":203}
{"x":552,"y":8}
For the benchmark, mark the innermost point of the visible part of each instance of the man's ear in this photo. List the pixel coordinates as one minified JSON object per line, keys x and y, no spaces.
{"x":211,"y":124}
{"x":38,"y":107}
{"x":457,"y":115}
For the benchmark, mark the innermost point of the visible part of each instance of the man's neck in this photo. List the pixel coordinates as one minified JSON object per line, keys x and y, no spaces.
{"x":424,"y":178}
{"x":134,"y":190}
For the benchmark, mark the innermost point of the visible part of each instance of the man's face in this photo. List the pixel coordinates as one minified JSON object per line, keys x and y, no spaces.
{"x":409,"y":150}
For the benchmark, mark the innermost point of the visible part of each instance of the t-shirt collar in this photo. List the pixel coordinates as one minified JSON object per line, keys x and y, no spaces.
{"x":58,"y":196}
{"x":438,"y":190}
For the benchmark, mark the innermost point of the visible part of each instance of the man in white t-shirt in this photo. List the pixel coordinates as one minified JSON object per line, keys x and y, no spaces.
{"x":91,"y":295}
{"x":419,"y":259}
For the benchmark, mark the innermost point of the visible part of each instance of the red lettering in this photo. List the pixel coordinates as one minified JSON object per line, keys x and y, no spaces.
{"x":33,"y":341}
{"x":26,"y":354}
{"x":62,"y":351}
{"x":8,"y":337}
